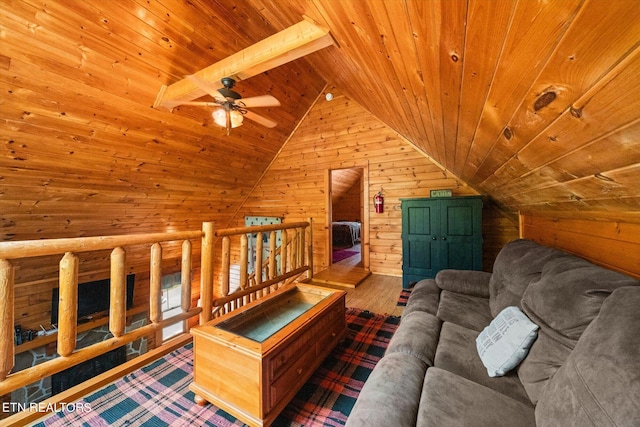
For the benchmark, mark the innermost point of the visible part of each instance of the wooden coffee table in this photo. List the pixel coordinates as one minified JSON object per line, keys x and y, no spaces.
{"x":252,"y":361}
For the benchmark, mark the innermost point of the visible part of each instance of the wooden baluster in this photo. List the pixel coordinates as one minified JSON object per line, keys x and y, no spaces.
{"x":302,"y":247}
{"x":272,"y":258}
{"x":294,"y":249}
{"x":283,"y":252}
{"x":258,"y":265}
{"x":155,"y":284}
{"x":185,"y":276}
{"x":310,"y":249}
{"x":118,"y":298}
{"x":206,"y":272}
{"x":7,"y":351}
{"x":244,"y":261}
{"x":226,"y":264}
{"x":68,"y":305}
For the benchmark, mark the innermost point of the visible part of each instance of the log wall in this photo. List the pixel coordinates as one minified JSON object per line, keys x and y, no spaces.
{"x":341,"y":134}
{"x":347,"y":207}
{"x":610,"y":240}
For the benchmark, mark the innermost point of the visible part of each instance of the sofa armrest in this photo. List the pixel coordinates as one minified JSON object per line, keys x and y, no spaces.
{"x":468,"y":282}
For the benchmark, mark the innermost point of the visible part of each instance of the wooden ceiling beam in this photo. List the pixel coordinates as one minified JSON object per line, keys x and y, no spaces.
{"x":292,"y":43}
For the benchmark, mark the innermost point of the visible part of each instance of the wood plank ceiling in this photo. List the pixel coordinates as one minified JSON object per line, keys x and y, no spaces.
{"x":536,"y":103}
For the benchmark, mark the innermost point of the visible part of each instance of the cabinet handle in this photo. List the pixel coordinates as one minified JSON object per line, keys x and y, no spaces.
{"x":444,"y":238}
{"x":434,"y":238}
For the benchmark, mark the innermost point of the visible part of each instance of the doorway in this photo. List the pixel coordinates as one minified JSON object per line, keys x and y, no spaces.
{"x":348,"y":216}
{"x":347,"y":193}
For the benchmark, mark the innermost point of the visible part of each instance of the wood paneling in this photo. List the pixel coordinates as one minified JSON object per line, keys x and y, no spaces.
{"x":346,"y":194}
{"x":293,"y":187}
{"x":532,"y":104}
{"x":512,"y":97}
{"x":612,"y":241}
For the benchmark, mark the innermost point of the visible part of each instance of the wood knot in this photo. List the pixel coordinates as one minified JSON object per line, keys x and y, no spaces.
{"x":576,"y":112}
{"x":544,"y":100}
{"x":508,"y":133}
{"x":454,"y":58}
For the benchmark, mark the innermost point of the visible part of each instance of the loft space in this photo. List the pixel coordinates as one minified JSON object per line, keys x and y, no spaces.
{"x":534,"y":104}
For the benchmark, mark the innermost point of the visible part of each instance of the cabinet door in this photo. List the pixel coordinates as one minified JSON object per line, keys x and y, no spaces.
{"x":461,"y":234}
{"x":420,"y":247}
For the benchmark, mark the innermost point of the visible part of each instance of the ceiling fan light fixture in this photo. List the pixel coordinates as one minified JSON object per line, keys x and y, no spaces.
{"x":220,"y":117}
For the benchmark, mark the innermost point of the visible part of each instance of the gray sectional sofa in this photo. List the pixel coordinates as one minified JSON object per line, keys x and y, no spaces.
{"x":583,"y":368}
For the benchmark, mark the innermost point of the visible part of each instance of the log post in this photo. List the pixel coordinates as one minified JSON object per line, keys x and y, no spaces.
{"x":303,"y":243}
{"x":118,"y":302}
{"x":295,"y":253}
{"x":258,"y":266}
{"x":206,"y":272}
{"x":155,"y":291}
{"x":7,"y":350}
{"x":310,"y":249}
{"x":185,"y":277}
{"x":68,"y":306}
{"x":283,"y":252}
{"x":226,"y":264}
{"x":272,"y":255}
{"x":244,"y":260}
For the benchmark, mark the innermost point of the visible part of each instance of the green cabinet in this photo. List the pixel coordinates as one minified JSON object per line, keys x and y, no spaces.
{"x":440,"y":233}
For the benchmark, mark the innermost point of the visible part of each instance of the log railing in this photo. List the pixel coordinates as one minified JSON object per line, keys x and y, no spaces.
{"x":286,"y":262}
{"x":68,"y":284}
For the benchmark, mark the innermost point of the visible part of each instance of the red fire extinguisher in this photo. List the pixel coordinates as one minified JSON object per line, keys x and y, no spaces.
{"x":378,"y":202}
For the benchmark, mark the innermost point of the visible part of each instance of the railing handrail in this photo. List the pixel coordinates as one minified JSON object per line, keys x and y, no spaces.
{"x":68,"y":283}
{"x":259,"y":228}
{"x":33,"y":248}
{"x":296,"y":258}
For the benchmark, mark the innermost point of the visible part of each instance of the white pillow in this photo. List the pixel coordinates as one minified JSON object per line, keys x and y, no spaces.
{"x":506,"y":341}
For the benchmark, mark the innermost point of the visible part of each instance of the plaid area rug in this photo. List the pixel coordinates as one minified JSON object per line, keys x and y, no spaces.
{"x":404,"y":296}
{"x":158,"y":394}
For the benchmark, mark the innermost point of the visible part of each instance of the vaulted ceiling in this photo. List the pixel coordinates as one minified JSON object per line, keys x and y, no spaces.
{"x":535,"y":103}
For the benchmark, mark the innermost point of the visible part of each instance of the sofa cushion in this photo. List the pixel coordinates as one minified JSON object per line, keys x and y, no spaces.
{"x":568,"y":296}
{"x":417,"y":336}
{"x":464,"y":310}
{"x":469,"y":282}
{"x":450,"y":400}
{"x":457,"y":353}
{"x":518,"y":263}
{"x":391,"y":394}
{"x":506,"y":341}
{"x":424,"y":296}
{"x":545,"y":356}
{"x":599,"y":385}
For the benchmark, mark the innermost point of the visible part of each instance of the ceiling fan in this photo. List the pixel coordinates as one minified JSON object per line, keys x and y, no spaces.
{"x":231,"y":108}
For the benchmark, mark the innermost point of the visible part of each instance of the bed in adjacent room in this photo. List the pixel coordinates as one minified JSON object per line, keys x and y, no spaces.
{"x":346,"y":233}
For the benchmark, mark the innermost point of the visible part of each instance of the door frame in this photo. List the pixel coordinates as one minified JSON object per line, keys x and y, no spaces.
{"x":364,"y":210}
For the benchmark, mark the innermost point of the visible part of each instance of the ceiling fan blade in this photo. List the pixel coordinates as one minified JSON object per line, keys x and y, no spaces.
{"x":260,"y":119}
{"x":206,"y":86}
{"x":259,"y":101}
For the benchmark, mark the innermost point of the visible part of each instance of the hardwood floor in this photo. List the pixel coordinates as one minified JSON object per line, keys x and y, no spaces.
{"x":377,"y":293}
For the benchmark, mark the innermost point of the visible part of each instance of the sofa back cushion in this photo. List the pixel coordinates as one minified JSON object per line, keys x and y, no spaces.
{"x":519,"y":263}
{"x":545,"y":357}
{"x":569,"y":295}
{"x":599,"y":385}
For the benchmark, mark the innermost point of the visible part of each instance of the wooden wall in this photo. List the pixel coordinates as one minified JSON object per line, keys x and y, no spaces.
{"x":610,"y":240}
{"x":341,"y":134}
{"x":347,"y":206}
